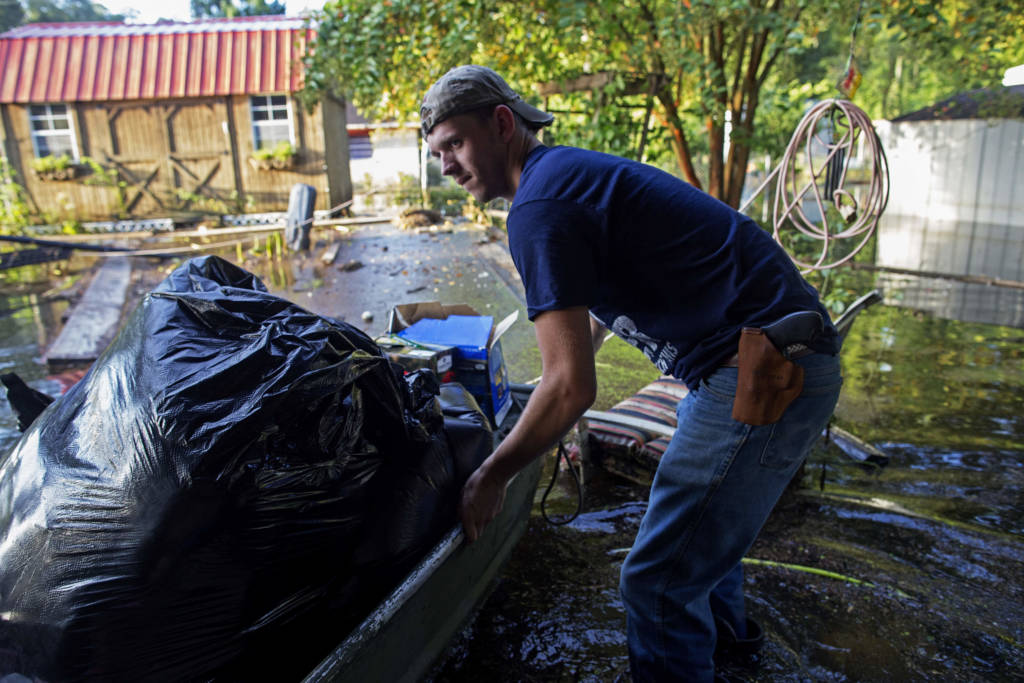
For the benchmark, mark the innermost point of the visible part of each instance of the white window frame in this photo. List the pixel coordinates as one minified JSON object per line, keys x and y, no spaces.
{"x":265,"y":104}
{"x":50,"y":115}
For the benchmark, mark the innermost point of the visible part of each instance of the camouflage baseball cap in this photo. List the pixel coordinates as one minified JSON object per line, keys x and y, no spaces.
{"x":470,"y":87}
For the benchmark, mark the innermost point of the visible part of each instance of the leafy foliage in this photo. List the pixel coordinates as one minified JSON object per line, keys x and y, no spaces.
{"x":682,"y":66}
{"x":281,"y":152}
{"x":36,"y":11}
{"x":449,"y":200}
{"x":51,"y":163}
{"x":384,"y":55}
{"x":916,"y":52}
{"x":11,"y":14}
{"x":666,"y":82}
{"x":227,"y":9}
{"x":14,"y":209}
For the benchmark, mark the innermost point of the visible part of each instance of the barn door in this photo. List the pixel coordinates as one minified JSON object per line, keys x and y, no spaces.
{"x":173,"y":157}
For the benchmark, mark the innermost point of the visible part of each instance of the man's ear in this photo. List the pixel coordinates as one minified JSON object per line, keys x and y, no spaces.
{"x":506,"y":121}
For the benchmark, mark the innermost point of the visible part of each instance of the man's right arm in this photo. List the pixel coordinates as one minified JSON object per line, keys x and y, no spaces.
{"x":567,"y":388}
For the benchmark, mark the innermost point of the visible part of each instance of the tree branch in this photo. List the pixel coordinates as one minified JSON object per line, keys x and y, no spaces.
{"x":679,"y":142}
{"x":779,"y":48}
{"x":740,"y":46}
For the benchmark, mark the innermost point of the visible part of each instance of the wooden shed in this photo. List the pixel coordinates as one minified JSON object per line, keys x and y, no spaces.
{"x":167,"y":119}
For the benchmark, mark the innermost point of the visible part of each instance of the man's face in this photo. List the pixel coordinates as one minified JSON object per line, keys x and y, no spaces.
{"x":472,"y":152}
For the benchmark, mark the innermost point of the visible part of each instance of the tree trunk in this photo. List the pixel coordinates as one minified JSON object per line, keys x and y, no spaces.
{"x":736,"y":170}
{"x":716,"y":149}
{"x":739,"y":152}
{"x":743,"y":109}
{"x":715,"y":46}
{"x":679,"y":143}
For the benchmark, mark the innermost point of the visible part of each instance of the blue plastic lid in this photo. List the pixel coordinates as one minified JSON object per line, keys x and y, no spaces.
{"x":466,"y":332}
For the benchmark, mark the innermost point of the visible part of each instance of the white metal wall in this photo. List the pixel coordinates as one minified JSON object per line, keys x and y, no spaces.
{"x":956,"y":203}
{"x":395,"y":152}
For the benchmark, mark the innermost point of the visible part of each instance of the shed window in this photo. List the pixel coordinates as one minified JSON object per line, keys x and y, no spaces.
{"x":271,"y":120}
{"x":52,"y":132}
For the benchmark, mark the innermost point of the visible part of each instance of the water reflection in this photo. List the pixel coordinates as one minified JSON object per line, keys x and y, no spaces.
{"x":25,"y":319}
{"x":963,"y":301}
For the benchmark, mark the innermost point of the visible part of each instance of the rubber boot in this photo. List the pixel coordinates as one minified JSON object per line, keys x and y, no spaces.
{"x":731,"y":647}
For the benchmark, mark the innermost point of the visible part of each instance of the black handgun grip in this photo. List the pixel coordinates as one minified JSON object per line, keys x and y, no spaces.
{"x":802,"y":327}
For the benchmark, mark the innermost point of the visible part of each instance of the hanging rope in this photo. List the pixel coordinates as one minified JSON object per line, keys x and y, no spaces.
{"x":834,"y":128}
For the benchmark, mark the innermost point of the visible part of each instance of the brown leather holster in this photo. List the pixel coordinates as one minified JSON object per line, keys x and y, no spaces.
{"x":767,"y":381}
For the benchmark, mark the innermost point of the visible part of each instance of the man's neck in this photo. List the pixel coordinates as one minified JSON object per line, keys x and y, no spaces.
{"x":521,"y":149}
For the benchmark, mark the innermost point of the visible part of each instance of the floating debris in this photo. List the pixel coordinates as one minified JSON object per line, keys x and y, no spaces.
{"x":331,"y":254}
{"x":415,"y":218}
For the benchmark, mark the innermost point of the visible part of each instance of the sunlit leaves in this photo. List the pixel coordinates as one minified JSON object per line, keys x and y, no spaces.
{"x":916,"y":52}
{"x":761,"y":62}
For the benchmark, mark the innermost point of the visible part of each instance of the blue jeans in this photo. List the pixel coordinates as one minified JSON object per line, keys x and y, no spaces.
{"x":714,"y":488}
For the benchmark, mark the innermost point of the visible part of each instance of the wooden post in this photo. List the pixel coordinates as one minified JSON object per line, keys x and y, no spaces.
{"x":82,"y":134}
{"x":11,"y":150}
{"x":170,"y":173}
{"x":232,"y":132}
{"x":112,"y":114}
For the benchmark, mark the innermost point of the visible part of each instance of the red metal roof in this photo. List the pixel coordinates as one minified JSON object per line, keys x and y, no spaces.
{"x":112,"y":61}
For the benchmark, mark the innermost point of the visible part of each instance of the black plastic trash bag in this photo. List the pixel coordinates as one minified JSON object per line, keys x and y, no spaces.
{"x":468,"y":430}
{"x":202,"y":502}
{"x":418,"y":497}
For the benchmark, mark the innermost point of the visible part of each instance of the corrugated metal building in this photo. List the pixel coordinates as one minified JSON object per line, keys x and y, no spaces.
{"x":165,"y":119}
{"x":956,"y":204}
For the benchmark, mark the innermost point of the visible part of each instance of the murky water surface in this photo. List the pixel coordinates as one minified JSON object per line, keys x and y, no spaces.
{"x":911,"y":571}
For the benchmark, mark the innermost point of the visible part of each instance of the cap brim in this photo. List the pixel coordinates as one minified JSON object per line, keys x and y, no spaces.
{"x":531,"y":113}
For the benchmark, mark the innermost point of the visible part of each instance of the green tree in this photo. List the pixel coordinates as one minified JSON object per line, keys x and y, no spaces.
{"x":687,"y":64}
{"x":11,"y":14}
{"x":227,"y":8}
{"x":663,"y":79}
{"x":39,"y":11}
{"x":917,"y":52}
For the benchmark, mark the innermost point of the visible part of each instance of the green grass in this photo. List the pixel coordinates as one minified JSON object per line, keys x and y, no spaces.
{"x":621,"y":371}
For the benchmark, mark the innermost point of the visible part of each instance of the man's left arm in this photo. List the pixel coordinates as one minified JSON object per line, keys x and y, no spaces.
{"x":598,"y":332}
{"x":567,"y":388}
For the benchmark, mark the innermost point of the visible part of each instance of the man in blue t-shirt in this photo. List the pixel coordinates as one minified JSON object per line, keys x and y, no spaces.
{"x":604,"y":243}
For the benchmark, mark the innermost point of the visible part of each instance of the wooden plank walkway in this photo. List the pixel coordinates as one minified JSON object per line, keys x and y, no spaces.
{"x":95,"y":318}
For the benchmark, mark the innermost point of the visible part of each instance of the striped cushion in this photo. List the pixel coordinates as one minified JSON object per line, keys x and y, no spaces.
{"x":631,"y":451}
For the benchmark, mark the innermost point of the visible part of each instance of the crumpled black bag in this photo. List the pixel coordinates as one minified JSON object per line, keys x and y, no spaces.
{"x":205,"y":502}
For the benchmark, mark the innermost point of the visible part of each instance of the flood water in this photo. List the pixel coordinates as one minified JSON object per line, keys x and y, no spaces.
{"x":910,"y":571}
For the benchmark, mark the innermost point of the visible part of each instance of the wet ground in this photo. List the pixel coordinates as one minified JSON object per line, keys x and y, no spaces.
{"x":912,"y":571}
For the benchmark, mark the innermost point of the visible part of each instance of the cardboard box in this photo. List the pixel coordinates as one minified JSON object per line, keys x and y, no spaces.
{"x":479,"y":363}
